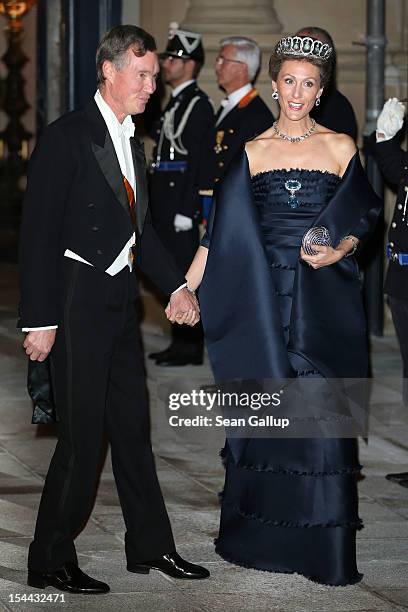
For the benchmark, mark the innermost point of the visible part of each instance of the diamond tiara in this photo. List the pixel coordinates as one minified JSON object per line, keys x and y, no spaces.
{"x":303,"y":46}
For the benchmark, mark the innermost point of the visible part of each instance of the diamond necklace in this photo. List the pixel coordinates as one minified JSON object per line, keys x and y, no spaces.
{"x":294,"y":138}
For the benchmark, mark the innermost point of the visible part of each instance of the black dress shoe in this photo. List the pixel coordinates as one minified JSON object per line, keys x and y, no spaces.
{"x":69,"y":578}
{"x":397,"y":477}
{"x":179,"y":360}
{"x":173,"y":565}
{"x":160,"y":354}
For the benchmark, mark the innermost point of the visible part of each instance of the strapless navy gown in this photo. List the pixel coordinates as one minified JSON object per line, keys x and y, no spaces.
{"x":294,"y":507}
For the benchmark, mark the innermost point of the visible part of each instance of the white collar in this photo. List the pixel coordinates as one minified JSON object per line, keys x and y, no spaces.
{"x":127,"y":127}
{"x":236,"y":96}
{"x":180,"y":88}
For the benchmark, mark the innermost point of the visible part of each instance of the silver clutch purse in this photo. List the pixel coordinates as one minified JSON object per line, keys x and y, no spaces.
{"x":315,"y":236}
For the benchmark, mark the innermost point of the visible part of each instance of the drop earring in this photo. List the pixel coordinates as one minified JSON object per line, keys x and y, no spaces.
{"x":275,"y":94}
{"x":317,"y":102}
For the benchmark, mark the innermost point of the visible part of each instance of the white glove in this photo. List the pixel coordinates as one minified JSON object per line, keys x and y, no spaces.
{"x":182,"y":223}
{"x":390,"y":119}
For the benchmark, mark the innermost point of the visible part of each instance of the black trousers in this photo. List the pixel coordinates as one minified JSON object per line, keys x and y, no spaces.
{"x":399,"y":311}
{"x":99,"y":383}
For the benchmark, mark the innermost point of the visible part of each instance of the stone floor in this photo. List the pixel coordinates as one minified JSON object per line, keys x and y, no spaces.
{"x":191,"y":475}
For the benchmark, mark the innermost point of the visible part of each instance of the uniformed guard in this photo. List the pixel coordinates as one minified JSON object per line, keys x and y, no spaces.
{"x":393,"y":162}
{"x":174,"y":173}
{"x":242,"y":114}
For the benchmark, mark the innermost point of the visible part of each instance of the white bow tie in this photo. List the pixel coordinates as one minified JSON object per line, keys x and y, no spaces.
{"x":127,"y":128}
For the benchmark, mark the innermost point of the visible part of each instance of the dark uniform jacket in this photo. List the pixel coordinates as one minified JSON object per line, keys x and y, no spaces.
{"x":76,"y":200}
{"x":245,"y":121}
{"x":393,"y":163}
{"x":173,"y":192}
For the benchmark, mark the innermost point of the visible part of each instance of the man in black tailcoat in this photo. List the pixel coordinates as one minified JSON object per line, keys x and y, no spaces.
{"x":174,"y":174}
{"x":384,"y":145}
{"x":85,"y":223}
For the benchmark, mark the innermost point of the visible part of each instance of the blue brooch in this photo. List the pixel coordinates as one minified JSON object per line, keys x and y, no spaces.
{"x":292,"y":185}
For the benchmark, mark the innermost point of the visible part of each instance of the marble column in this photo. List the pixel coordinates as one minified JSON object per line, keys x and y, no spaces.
{"x":232,"y":17}
{"x":215,"y":19}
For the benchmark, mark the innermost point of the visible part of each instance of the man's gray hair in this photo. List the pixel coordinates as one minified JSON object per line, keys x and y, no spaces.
{"x":247,"y":51}
{"x":116,"y":42}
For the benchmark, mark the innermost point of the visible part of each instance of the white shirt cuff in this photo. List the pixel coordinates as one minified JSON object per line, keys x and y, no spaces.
{"x":179,"y":288}
{"x":27,"y":329}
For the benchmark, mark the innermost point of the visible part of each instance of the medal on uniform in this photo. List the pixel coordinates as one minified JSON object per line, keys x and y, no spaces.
{"x":219,"y":137}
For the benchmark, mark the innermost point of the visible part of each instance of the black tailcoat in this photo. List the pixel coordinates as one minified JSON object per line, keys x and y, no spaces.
{"x":76,"y":200}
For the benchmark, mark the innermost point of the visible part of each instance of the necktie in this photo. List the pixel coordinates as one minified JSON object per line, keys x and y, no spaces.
{"x":221,"y":108}
{"x":124,"y":142}
{"x":131,"y":199}
{"x":224,"y":103}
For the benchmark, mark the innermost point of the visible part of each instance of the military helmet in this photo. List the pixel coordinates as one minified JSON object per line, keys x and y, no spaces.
{"x":184,"y":44}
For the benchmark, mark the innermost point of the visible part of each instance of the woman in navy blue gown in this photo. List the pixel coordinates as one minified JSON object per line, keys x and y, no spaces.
{"x":270,"y":310}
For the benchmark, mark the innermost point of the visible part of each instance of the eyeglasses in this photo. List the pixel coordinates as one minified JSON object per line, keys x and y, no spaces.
{"x":220,"y":59}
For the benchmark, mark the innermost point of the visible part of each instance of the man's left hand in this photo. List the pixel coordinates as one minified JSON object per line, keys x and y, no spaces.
{"x":183,"y":308}
{"x":38,"y":343}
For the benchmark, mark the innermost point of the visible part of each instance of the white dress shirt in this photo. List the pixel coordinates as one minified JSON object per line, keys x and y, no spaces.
{"x":120,"y":134}
{"x":233,"y":100}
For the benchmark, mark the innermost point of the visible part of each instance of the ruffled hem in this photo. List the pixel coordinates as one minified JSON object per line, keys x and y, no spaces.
{"x":280,"y":470}
{"x":358,"y":524}
{"x":276,"y":264}
{"x":290,"y":472}
{"x":275,"y":570}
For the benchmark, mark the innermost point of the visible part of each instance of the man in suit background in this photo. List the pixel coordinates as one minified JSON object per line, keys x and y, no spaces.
{"x":242,"y":114}
{"x":85,"y":222}
{"x":174,"y":174}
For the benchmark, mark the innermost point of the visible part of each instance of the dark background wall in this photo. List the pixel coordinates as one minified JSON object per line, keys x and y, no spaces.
{"x":68,"y":32}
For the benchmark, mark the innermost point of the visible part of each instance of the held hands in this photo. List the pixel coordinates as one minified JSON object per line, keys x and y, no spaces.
{"x":38,"y":344}
{"x":326,"y":256}
{"x":183,"y":308}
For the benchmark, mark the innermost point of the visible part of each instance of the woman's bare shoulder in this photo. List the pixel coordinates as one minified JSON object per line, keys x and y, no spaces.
{"x":344,"y":148}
